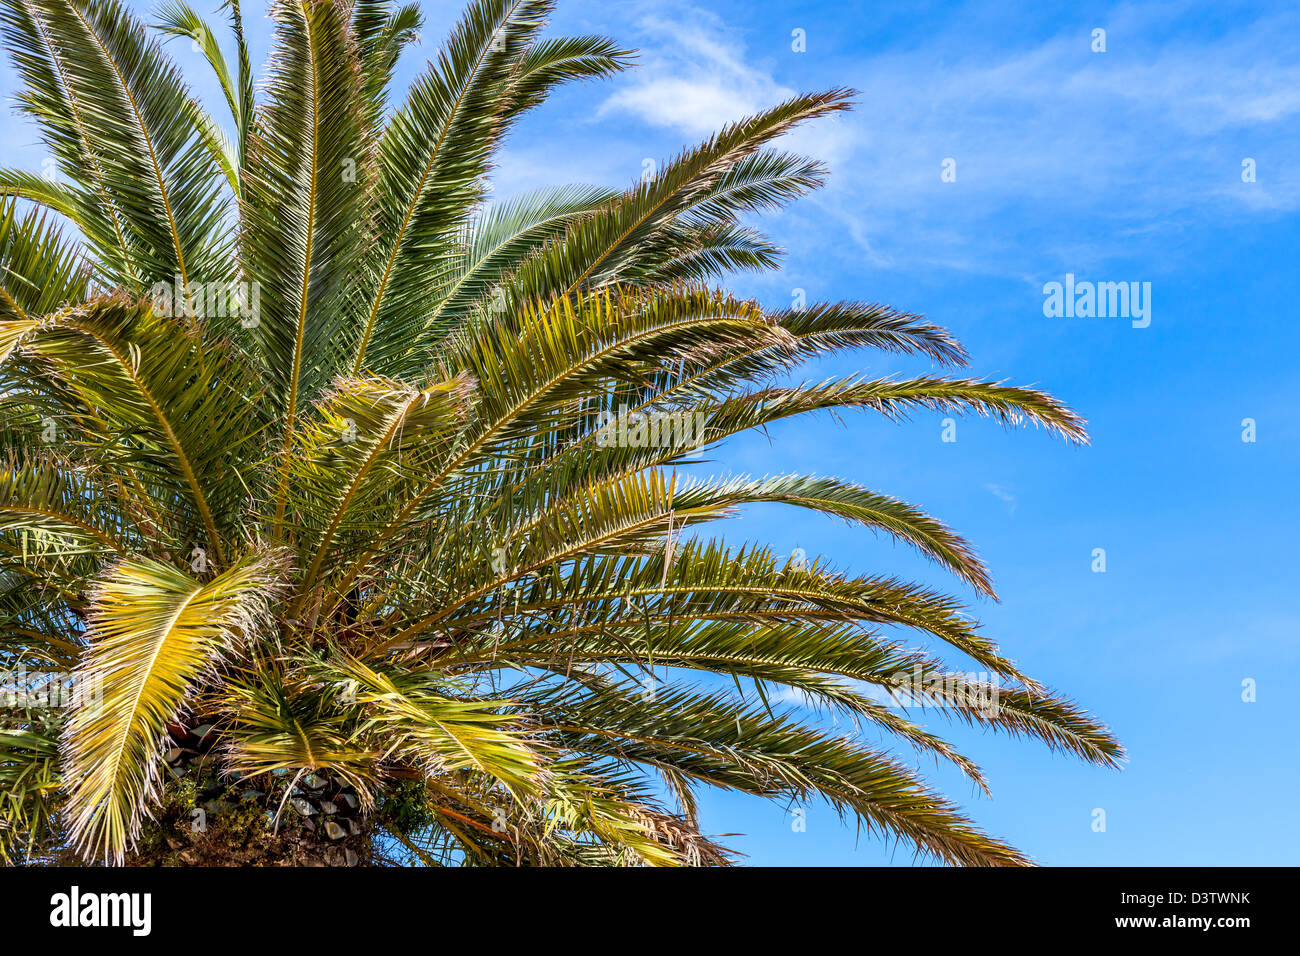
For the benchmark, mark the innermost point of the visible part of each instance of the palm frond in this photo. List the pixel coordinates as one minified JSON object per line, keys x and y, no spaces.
{"x":307,"y":205}
{"x":40,"y":272}
{"x":29,"y":789}
{"x":432,"y":158}
{"x":179,"y":19}
{"x":548,"y":63}
{"x":601,"y":248}
{"x":119,"y":118}
{"x":280,"y":726}
{"x":154,"y":632}
{"x":439,"y":733}
{"x":188,"y":408}
{"x":709,"y":739}
{"x":371,"y":440}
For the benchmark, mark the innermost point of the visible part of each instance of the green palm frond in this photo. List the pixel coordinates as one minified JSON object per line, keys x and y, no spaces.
{"x":306,"y":192}
{"x":611,"y":820}
{"x":495,"y":243}
{"x":852,"y":503}
{"x":898,"y":399}
{"x":432,"y":158}
{"x":55,"y":504}
{"x":93,"y":78}
{"x":189,"y":409}
{"x":714,"y":740}
{"x":179,"y":19}
{"x":709,"y":580}
{"x":62,"y":198}
{"x":39,"y":272}
{"x":701,"y":253}
{"x":381,"y":34}
{"x":29,"y":788}
{"x":548,"y":63}
{"x":600,"y":249}
{"x":53,"y":99}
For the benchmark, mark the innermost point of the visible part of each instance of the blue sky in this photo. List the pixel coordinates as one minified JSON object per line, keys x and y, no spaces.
{"x":1123,"y":165}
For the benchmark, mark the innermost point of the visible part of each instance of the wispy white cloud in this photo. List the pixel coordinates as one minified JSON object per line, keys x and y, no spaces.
{"x":696,"y":75}
{"x":693,"y":76}
{"x":1067,"y":154}
{"x":1004,"y":496}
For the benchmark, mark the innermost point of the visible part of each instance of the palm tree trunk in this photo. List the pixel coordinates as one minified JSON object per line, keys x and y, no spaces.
{"x":315,"y":821}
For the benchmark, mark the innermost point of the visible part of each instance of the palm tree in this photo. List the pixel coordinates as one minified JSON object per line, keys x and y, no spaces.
{"x":347,"y":503}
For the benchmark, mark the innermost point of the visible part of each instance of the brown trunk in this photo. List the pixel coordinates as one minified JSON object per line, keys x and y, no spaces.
{"x":205,"y":822}
{"x":244,"y":842}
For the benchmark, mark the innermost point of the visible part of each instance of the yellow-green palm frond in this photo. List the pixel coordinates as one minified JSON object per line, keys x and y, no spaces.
{"x":285,"y":725}
{"x":604,"y":816}
{"x":368,"y":443}
{"x":417,"y":723}
{"x":154,"y":632}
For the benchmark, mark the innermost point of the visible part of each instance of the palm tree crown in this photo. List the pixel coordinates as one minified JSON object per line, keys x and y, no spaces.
{"x":349,"y":496}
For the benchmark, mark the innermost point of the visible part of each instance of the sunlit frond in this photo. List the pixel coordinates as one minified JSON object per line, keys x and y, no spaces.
{"x":155,"y":631}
